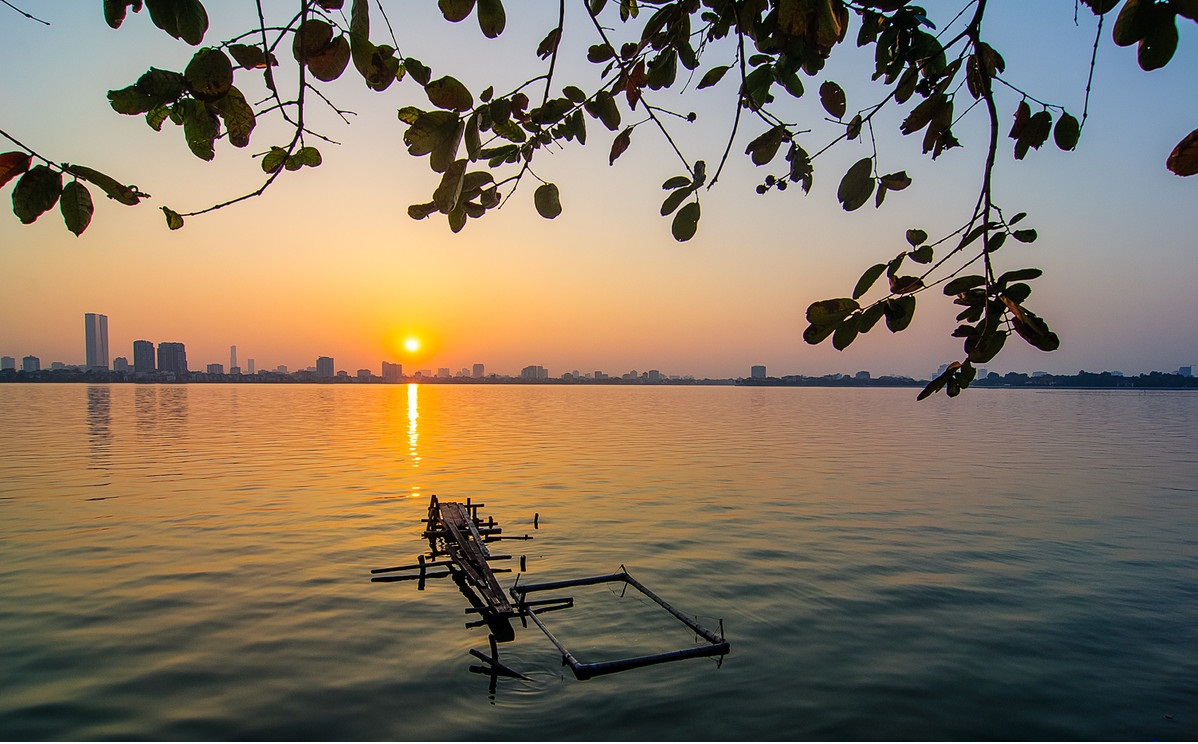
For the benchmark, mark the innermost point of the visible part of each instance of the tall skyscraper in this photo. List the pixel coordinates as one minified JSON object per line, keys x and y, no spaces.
{"x":31,"y":364}
{"x":143,"y":358}
{"x":172,"y":357}
{"x":324,"y":367}
{"x":249,"y":366}
{"x":232,"y":356}
{"x":479,"y":371}
{"x":392,"y":372}
{"x":95,"y":332}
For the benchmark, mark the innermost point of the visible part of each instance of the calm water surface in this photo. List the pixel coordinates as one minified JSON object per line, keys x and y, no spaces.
{"x":192,"y":562}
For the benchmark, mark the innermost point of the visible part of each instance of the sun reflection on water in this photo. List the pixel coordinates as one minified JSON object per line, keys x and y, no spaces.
{"x":414,"y":431}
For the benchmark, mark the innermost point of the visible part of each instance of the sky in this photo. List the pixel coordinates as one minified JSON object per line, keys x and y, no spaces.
{"x":327,"y":262}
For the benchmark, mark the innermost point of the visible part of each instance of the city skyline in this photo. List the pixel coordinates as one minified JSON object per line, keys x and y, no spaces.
{"x":172,"y":357}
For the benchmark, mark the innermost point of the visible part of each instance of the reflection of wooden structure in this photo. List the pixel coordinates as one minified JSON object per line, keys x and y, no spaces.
{"x":455,"y":532}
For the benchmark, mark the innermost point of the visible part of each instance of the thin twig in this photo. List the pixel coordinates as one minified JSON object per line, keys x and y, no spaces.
{"x":30,"y":17}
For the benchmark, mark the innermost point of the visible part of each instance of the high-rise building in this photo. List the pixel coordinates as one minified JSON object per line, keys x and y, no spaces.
{"x":95,"y":332}
{"x":249,"y":366}
{"x":444,"y":372}
{"x":120,"y":364}
{"x":534,"y":372}
{"x":757,"y":372}
{"x":324,"y":367}
{"x":216,"y":369}
{"x":143,"y":358}
{"x":479,"y":371}
{"x":8,"y":363}
{"x":232,"y":356}
{"x":31,"y":364}
{"x":392,"y":372}
{"x":172,"y":357}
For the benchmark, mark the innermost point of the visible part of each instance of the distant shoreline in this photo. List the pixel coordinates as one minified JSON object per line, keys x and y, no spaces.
{"x":1012,"y":380}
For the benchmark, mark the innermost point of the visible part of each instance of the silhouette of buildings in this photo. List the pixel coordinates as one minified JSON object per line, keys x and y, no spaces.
{"x":31,"y":364}
{"x":757,"y":372}
{"x":8,"y":363}
{"x":172,"y":357}
{"x":143,"y":358}
{"x":120,"y":364}
{"x":534,"y":372}
{"x":392,"y":372}
{"x":479,"y":371}
{"x":324,"y":367}
{"x":95,"y":332}
{"x":216,"y":369}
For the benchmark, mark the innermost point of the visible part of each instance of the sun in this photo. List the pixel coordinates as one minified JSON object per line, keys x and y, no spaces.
{"x":411,"y":344}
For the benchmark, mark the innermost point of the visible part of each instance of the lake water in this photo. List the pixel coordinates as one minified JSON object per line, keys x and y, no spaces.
{"x":192,"y":562}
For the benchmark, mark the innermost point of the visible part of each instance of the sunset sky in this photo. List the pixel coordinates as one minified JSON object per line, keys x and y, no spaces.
{"x":327,"y":262}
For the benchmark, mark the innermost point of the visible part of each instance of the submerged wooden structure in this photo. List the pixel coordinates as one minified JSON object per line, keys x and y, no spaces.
{"x":458,"y":540}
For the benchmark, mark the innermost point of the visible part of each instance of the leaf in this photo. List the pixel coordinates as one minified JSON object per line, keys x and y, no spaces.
{"x":435,"y":133}
{"x":1131,"y":25}
{"x":676,"y":182}
{"x":867,"y":280}
{"x":308,"y":156}
{"x":250,"y":56}
{"x":606,"y":110}
{"x":114,"y":11}
{"x":76,"y":207}
{"x":922,"y":255}
{"x":675,"y":199}
{"x":182,"y":19}
{"x":238,"y":116}
{"x":916,"y":237}
{"x":274,"y":160}
{"x":899,"y":312}
{"x":686,"y":222}
{"x":938,"y":383}
{"x":832,"y":98}
{"x":844,"y":335}
{"x":209,"y":74}
{"x":127,"y":195}
{"x":173,"y":220}
{"x":455,"y":10}
{"x":1066,"y":132}
{"x":491,"y":18}
{"x":765,"y":147}
{"x":831,"y":312}
{"x":905,"y":284}
{"x":547,"y":200}
{"x":131,"y":101}
{"x":36,"y":193}
{"x":331,"y":61}
{"x":1159,"y":44}
{"x":619,"y":145}
{"x":1024,"y":236}
{"x":448,"y":93}
{"x":1100,"y":7}
{"x":857,"y":185}
{"x":1034,"y":134}
{"x":1035,"y":331}
{"x":964,"y":283}
{"x":1019,"y":275}
{"x":814,"y":334}
{"x":1183,"y":161}
{"x":712,"y":76}
{"x":311,"y":38}
{"x":200,"y":127}
{"x":12,"y":164}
